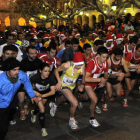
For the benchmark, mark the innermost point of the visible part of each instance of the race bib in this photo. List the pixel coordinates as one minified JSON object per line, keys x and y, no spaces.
{"x":133,"y":65}
{"x":31,"y":73}
{"x":96,"y":75}
{"x":68,"y":81}
{"x":41,"y":87}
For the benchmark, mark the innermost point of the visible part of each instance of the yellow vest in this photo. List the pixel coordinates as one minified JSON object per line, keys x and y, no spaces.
{"x":68,"y":79}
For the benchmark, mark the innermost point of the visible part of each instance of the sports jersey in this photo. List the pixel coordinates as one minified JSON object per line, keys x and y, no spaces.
{"x":30,"y":67}
{"x":133,"y":60}
{"x":42,"y":85}
{"x":110,"y":49}
{"x":87,"y":60}
{"x":115,"y":68}
{"x":95,"y":70}
{"x":126,"y":50}
{"x":68,"y":79}
{"x":8,"y":89}
{"x":94,"y":53}
{"x":52,"y":62}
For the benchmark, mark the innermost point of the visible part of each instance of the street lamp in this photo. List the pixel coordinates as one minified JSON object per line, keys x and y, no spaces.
{"x":114,"y":7}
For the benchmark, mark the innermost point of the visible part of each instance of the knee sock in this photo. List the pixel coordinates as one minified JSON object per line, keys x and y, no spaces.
{"x":42,"y":119}
{"x":36,"y":110}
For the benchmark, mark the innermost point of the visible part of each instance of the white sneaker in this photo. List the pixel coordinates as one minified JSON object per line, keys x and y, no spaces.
{"x":73,"y":124}
{"x":98,"y":110}
{"x":44,"y":132}
{"x":33,"y":117}
{"x":80,"y":105}
{"x":53,"y":109}
{"x":13,"y":122}
{"x":94,"y":123}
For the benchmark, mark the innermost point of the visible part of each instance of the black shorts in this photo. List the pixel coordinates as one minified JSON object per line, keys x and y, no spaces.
{"x":134,"y":75}
{"x":113,"y":81}
{"x":22,"y":89}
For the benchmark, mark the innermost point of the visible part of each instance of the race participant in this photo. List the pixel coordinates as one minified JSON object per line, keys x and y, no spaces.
{"x":94,"y":86}
{"x":133,"y":61}
{"x":66,"y":83}
{"x":10,"y":81}
{"x":119,"y":70}
{"x":129,"y":48}
{"x":30,"y":65}
{"x":43,"y":86}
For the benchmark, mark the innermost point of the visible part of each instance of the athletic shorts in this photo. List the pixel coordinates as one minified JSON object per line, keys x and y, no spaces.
{"x":64,"y":87}
{"x":134,"y":75}
{"x":93,"y":85}
{"x":113,"y":81}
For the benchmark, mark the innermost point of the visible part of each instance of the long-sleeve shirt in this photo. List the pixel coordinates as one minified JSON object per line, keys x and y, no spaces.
{"x":8,"y":89}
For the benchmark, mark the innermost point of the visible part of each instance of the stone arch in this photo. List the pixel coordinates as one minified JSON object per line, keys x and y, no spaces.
{"x":137,"y":16}
{"x":85,"y":19}
{"x":93,"y":20}
{"x":79,"y":19}
{"x":7,"y":21}
{"x":32,"y":22}
{"x":21,"y":22}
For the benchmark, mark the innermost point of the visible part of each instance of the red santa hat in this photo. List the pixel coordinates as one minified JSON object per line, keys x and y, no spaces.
{"x":77,"y":34}
{"x":62,"y":34}
{"x":78,"y":60}
{"x":45,"y":36}
{"x":119,"y":36}
{"x":131,"y":33}
{"x":109,"y":38}
{"x":95,"y":33}
{"x":34,"y":36}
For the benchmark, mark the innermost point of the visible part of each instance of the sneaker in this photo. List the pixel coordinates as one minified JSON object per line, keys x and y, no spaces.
{"x":125,"y":103}
{"x":53,"y":109}
{"x":73,"y":124}
{"x":105,"y":107}
{"x":94,"y":123}
{"x":98,"y":110}
{"x":13,"y":122}
{"x":33,"y":117}
{"x":44,"y":132}
{"x":26,"y":110}
{"x":22,"y":116}
{"x":80,"y":105}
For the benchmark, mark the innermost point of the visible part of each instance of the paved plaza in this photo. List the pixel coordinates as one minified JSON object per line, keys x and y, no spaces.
{"x":118,"y":123}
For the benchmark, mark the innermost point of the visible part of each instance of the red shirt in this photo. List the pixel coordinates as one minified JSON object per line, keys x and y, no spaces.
{"x":87,"y":60}
{"x":52,"y":62}
{"x":110,"y":49}
{"x":126,"y":50}
{"x":95,"y":70}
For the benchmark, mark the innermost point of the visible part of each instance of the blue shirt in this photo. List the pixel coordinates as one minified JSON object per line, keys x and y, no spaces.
{"x":60,"y":54}
{"x":8,"y":89}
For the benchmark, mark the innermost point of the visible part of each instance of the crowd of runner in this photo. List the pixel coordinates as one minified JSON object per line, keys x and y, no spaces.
{"x":73,"y":64}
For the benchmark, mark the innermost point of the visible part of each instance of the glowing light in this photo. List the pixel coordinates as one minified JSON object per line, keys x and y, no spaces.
{"x":81,"y":13}
{"x":105,"y":12}
{"x":87,"y":14}
{"x":114,"y":7}
{"x":125,"y":10}
{"x":43,"y":16}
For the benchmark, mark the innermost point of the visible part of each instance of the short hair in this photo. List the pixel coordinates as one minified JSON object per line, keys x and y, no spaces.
{"x":43,"y":50}
{"x":74,"y":41}
{"x":102,"y":50}
{"x":43,"y":65}
{"x":32,"y":40}
{"x":83,"y":34}
{"x":8,"y":48}
{"x":67,"y":42}
{"x":134,"y":40}
{"x":10,"y":63}
{"x":7,"y":35}
{"x":86,"y":46}
{"x":30,"y":47}
{"x":138,"y":46}
{"x":98,"y":42}
{"x":118,"y":51}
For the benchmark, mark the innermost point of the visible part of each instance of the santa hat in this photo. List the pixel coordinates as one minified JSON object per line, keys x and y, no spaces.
{"x":77,"y":34}
{"x":55,"y":30}
{"x":77,"y":60}
{"x":131,"y":33}
{"x":14,"y":32}
{"x":45,"y":36}
{"x":64,"y":39}
{"x":119,"y":36}
{"x":34,"y":36}
{"x":95,"y":33}
{"x":62,"y":34}
{"x":109,"y":38}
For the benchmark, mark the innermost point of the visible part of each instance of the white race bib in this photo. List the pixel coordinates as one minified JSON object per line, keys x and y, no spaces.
{"x":96,"y":75}
{"x":68,"y":81}
{"x":41,"y":87}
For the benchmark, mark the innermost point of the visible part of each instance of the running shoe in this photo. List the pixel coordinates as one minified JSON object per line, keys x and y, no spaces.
{"x":26,"y":110}
{"x":33,"y":117}
{"x":73,"y":124}
{"x":98,"y":110}
{"x":80,"y":105}
{"x":52,"y":109}
{"x":22,"y":116}
{"x":13,"y":122}
{"x":105,"y":107}
{"x":44,"y":132}
{"x":125,"y":103}
{"x":94,"y":123}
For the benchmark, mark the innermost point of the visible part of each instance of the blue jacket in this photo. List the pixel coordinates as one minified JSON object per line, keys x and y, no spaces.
{"x":8,"y":89}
